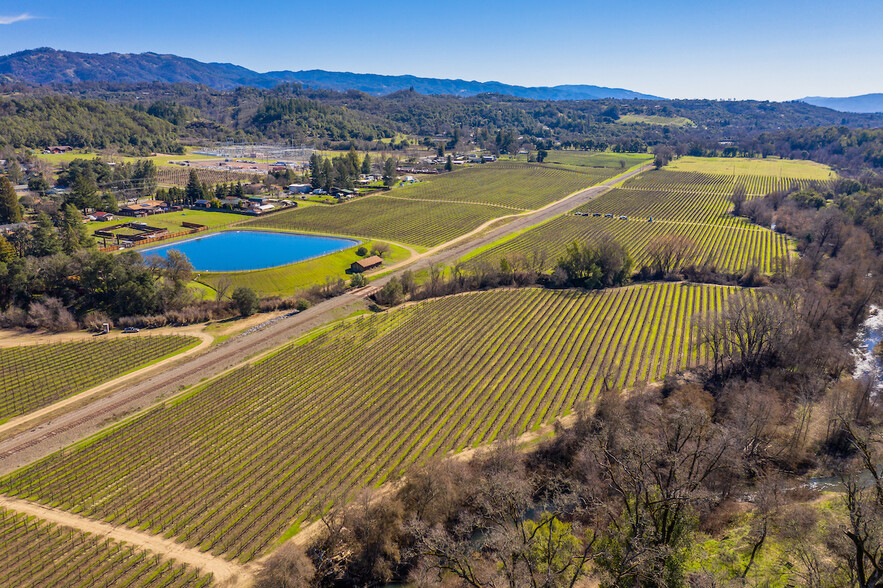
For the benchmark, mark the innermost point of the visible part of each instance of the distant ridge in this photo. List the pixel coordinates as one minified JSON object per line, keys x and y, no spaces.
{"x":866,"y":103}
{"x":49,"y":66}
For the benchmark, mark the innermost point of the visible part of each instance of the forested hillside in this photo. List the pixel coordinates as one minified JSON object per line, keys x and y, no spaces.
{"x":62,"y":120}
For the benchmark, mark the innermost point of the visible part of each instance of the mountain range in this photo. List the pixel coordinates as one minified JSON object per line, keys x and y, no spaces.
{"x":866,"y":103}
{"x":46,"y":66}
{"x":49,"y":66}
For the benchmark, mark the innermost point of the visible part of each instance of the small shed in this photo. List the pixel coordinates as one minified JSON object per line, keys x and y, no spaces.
{"x":366,"y":264}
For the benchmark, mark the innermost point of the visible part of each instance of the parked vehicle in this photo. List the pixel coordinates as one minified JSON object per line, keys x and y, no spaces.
{"x":131,"y":330}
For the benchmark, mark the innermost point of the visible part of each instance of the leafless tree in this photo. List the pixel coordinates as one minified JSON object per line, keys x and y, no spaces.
{"x":668,"y":253}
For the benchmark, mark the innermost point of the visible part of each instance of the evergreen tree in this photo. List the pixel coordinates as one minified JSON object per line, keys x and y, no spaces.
{"x":144,"y":178}
{"x":74,"y":234}
{"x":366,"y":164}
{"x":237,"y":191}
{"x":109,"y":202}
{"x":44,"y":239}
{"x":354,"y":164}
{"x":84,"y":192}
{"x":13,"y":172}
{"x":316,"y":179}
{"x":221,"y":191}
{"x":10,"y":210}
{"x":449,"y":164}
{"x":7,"y":251}
{"x":389,"y":172}
{"x":327,"y":175}
{"x":38,"y":184}
{"x":194,"y":189}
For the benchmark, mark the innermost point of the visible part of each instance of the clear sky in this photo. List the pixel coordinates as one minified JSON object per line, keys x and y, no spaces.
{"x":764,"y":49}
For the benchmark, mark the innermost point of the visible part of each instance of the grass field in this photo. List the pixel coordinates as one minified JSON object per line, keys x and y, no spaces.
{"x":597,"y":159}
{"x":172,"y":220}
{"x":677,"y":121}
{"x":34,"y":376}
{"x":771,"y":167}
{"x":37,"y":553}
{"x":288,"y":279}
{"x":431,"y":213}
{"x":257,"y":449}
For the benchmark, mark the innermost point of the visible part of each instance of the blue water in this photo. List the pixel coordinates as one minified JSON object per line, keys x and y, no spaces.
{"x":229,"y":251}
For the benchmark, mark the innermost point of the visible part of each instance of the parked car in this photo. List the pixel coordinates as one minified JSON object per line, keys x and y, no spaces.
{"x":131,"y":330}
{"x":596,"y":214}
{"x":608,"y":216}
{"x":623,"y":218}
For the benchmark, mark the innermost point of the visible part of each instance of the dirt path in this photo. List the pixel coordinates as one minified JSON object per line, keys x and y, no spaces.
{"x":41,"y":414}
{"x":225,"y":573}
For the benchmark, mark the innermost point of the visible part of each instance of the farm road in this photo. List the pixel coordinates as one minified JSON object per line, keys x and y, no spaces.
{"x":30,"y":445}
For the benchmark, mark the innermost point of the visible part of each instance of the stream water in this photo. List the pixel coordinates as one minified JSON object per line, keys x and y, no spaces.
{"x":868,"y":367}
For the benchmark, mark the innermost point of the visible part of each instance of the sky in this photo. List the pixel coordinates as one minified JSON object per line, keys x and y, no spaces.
{"x":740,"y":49}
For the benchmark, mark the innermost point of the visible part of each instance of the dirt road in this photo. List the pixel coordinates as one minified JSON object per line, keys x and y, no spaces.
{"x":30,"y":445}
{"x":225,"y":573}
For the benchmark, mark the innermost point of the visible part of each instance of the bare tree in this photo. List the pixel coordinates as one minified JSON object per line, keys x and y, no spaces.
{"x":668,"y":253}
{"x":738,"y":198}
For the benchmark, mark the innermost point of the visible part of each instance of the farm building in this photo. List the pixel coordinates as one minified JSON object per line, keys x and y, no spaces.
{"x":55,"y":149}
{"x":366,"y":264}
{"x":11,"y":228}
{"x":139,"y":210}
{"x":299,"y":188}
{"x":101,"y":216}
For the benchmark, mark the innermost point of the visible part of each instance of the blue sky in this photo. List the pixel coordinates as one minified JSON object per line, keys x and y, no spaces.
{"x":678,"y":49}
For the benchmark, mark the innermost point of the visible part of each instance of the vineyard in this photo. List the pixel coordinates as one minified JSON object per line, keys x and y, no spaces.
{"x":598,"y":159}
{"x":688,"y":204}
{"x":443,"y":208}
{"x":722,"y":185}
{"x":728,"y":247}
{"x":37,"y":553}
{"x":263,"y":446}
{"x":175,"y":175}
{"x":35,"y":376}
{"x":518,"y":185}
{"x":408,"y":221}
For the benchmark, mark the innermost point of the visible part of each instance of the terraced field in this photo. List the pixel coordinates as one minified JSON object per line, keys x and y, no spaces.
{"x":37,"y":553}
{"x":259,"y":448}
{"x":35,"y":376}
{"x":690,"y":204}
{"x":436,"y":211}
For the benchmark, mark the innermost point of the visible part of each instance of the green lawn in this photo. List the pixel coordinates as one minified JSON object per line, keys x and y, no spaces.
{"x":288,"y":279}
{"x":172,"y":220}
{"x":159,"y":159}
{"x":771,"y":166}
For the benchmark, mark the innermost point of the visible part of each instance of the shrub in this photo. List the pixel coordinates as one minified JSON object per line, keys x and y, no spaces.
{"x":358,"y":281}
{"x":362,"y":251}
{"x":245,"y":300}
